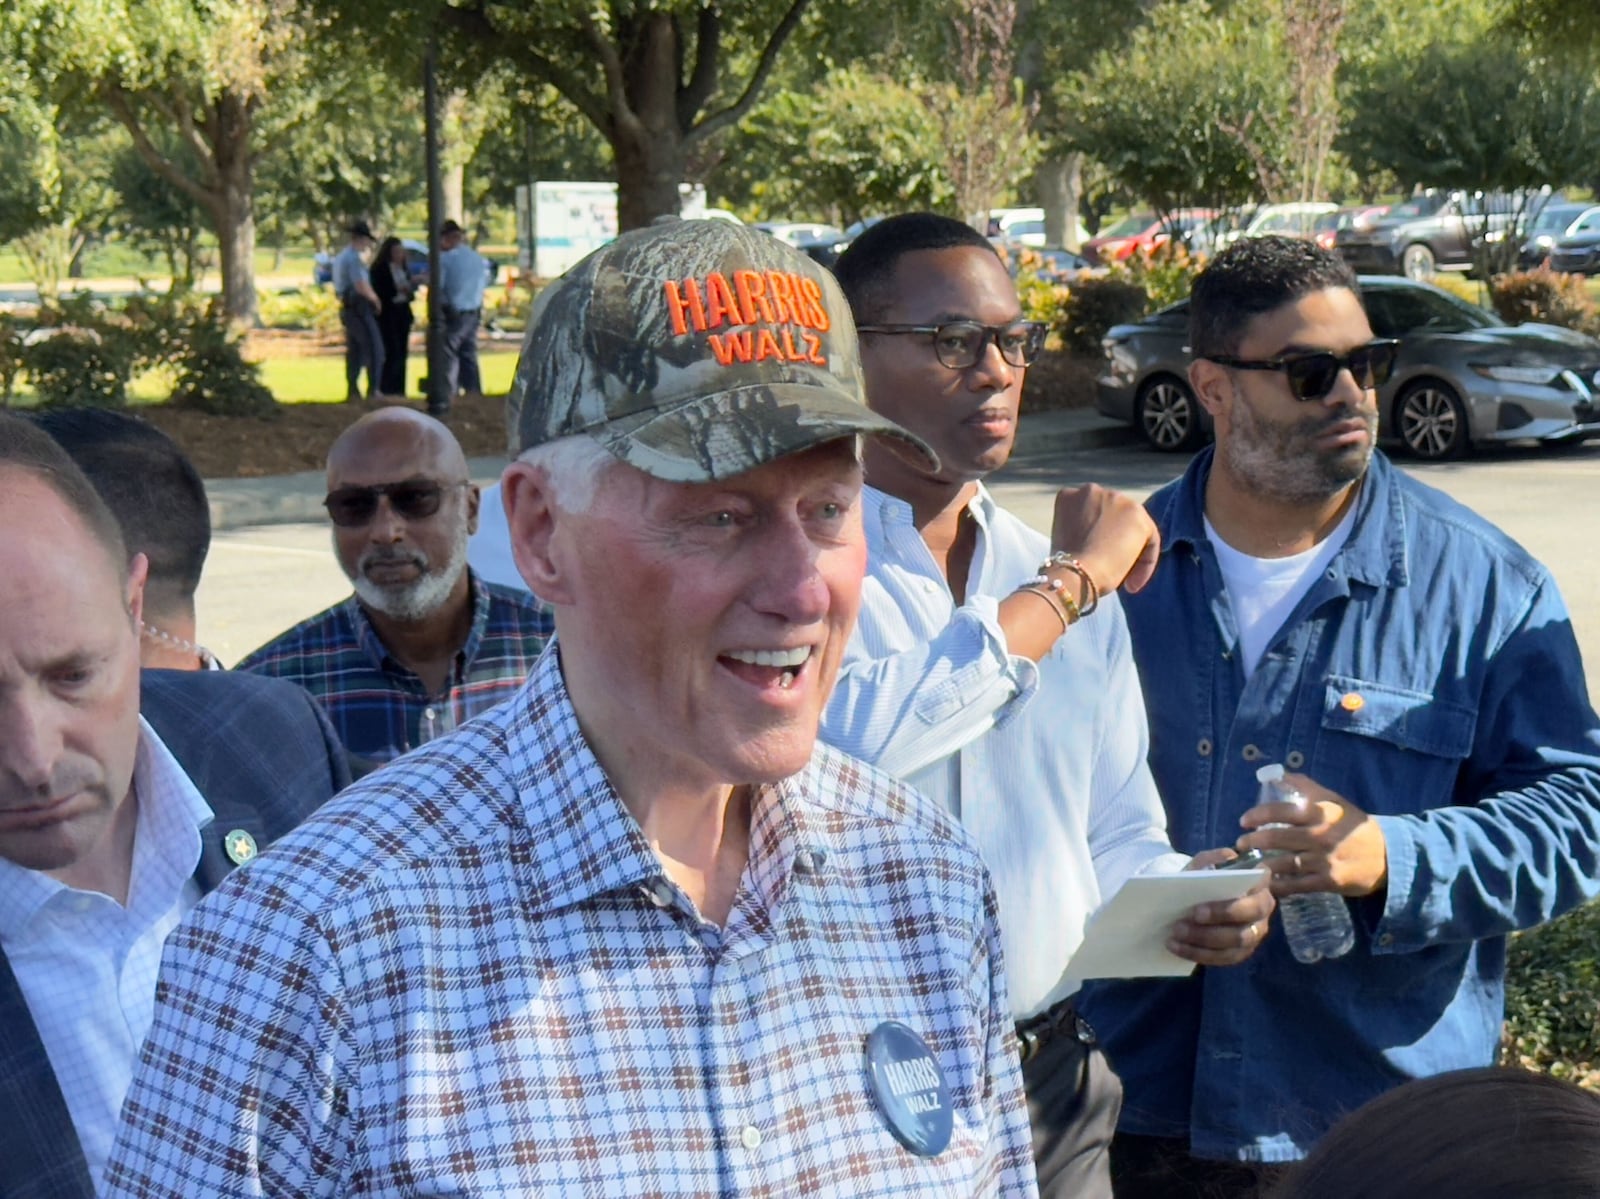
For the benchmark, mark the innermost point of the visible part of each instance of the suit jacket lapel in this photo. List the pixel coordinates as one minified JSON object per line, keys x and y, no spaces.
{"x":39,"y":1153}
{"x":228,"y":816}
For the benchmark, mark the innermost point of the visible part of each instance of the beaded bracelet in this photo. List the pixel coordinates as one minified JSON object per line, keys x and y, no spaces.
{"x":1067,"y":562}
{"x":1061,"y":613}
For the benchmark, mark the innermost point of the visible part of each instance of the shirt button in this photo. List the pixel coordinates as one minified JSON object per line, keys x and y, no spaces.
{"x":659,"y":893}
{"x":750,"y":1138}
{"x":809,"y":861}
{"x":1204,"y":748}
{"x":82,"y":903}
{"x":1295,"y":760}
{"x":1251,"y":753}
{"x":1386,"y":940}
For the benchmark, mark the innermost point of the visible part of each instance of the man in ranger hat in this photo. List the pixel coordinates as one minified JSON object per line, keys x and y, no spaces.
{"x":358,"y":312}
{"x":633,"y":931}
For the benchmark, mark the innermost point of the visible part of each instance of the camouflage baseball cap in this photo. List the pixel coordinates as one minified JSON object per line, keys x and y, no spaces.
{"x":693,"y":350}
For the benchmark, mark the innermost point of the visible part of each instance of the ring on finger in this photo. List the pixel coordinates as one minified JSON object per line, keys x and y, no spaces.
{"x":1298,"y":867}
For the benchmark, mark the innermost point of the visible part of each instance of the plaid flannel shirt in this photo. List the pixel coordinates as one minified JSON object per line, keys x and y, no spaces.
{"x":379,"y":708}
{"x":470,"y":975}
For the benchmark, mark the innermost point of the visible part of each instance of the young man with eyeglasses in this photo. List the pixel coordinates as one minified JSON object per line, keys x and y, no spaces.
{"x":990,"y":665}
{"x":1417,"y":674}
{"x":422,"y":644}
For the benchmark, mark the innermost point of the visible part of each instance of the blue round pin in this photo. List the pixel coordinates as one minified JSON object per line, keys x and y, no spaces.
{"x":909,"y":1086}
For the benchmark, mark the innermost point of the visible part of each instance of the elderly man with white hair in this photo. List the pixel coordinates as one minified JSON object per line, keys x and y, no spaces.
{"x":634,"y":932}
{"x":423,"y":644}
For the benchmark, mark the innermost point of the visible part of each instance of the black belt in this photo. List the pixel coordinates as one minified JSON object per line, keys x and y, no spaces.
{"x":1034,"y":1033}
{"x":462,"y":311}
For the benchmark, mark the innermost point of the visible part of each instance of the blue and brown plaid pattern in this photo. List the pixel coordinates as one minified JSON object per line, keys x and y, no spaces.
{"x":379,"y":708}
{"x":469,"y":975}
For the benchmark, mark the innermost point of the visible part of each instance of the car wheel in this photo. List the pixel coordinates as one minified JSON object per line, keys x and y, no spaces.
{"x":1432,"y":420}
{"x":1168,"y":415}
{"x":1417,"y":262}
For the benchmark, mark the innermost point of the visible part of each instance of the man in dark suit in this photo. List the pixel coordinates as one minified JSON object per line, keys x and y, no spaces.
{"x":111,"y":827}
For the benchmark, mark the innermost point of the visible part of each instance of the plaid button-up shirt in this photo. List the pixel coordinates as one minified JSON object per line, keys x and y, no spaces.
{"x":378,"y":707}
{"x":470,"y":975}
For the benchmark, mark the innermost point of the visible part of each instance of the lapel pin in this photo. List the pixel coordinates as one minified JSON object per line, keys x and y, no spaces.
{"x":240,"y":846}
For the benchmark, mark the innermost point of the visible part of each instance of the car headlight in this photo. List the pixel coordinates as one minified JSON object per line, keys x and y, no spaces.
{"x":1518,"y":374}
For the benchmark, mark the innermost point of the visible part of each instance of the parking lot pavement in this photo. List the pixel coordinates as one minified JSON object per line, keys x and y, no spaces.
{"x":259,"y":581}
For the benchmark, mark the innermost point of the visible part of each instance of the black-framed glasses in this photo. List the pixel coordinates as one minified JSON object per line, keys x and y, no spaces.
{"x":413,"y":499}
{"x":1312,"y":375}
{"x":959,"y":344}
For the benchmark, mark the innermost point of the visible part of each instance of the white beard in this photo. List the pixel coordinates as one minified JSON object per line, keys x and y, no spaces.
{"x":418,"y":600}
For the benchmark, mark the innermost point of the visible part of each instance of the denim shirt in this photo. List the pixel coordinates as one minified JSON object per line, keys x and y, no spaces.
{"x":1431,"y":677}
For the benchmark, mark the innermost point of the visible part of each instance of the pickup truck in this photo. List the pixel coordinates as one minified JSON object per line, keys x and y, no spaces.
{"x":1431,"y":232}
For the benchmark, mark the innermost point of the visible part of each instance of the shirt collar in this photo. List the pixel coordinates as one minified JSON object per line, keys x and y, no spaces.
{"x":378,"y":654}
{"x":887,"y":511}
{"x":1376,"y":553}
{"x":588,"y":843}
{"x":168,"y":804}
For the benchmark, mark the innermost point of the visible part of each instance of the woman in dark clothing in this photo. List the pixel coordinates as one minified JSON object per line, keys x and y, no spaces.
{"x":392,"y":281}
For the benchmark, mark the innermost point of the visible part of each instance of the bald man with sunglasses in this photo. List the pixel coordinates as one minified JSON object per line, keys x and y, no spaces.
{"x":423,"y":644}
{"x":1414,"y":671}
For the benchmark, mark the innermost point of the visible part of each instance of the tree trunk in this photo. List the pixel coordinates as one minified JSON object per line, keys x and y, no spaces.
{"x":455,"y":186}
{"x":235,"y":212}
{"x":648,"y":171}
{"x":1060,"y":187}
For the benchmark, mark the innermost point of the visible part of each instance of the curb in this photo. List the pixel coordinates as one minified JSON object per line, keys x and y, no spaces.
{"x":297,"y":498}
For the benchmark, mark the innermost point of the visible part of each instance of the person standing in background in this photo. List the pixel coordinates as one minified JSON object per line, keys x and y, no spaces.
{"x":391,"y":281}
{"x":463,"y":274}
{"x":358,"y":312}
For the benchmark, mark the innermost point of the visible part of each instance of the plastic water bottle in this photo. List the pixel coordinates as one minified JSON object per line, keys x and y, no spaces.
{"x":1317,"y":923}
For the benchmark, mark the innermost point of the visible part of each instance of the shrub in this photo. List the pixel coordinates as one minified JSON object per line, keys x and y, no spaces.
{"x":12,"y":357}
{"x":79,"y":367}
{"x":1166,"y":274}
{"x":1094,"y":306}
{"x":1546,"y":296}
{"x":1553,"y":997}
{"x":214,"y":377}
{"x":314,"y":308}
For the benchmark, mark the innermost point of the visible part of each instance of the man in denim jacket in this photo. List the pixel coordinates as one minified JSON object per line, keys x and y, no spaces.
{"x":1416,"y":673}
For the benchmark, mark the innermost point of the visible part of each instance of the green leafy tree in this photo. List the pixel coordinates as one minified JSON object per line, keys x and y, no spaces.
{"x":158,"y":217}
{"x":656,"y":78}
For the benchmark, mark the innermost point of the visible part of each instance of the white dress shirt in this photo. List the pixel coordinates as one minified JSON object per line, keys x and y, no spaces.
{"x":87,"y":965}
{"x":1045,"y":763}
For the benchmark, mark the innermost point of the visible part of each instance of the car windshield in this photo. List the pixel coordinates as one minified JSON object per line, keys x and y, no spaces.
{"x":1421,"y":206}
{"x":1556,"y":216}
{"x":1128,"y":226}
{"x":1396,"y":311}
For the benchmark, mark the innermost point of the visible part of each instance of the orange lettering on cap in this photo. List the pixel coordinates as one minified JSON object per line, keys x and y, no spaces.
{"x":752,"y":289}
{"x":813,"y":293}
{"x":721,"y":307}
{"x":790,"y":354}
{"x":767,"y":345}
{"x":782,"y":297}
{"x":685,"y":302}
{"x":726,"y":347}
{"x":814,"y":354}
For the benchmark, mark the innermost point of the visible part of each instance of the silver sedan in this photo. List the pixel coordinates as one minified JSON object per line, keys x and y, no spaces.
{"x":1463,"y":377}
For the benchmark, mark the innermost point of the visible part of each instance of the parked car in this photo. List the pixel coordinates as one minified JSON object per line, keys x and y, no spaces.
{"x":795,"y":232}
{"x":1463,"y":375}
{"x":1293,"y":220}
{"x":1025,"y":225}
{"x":825,"y":249}
{"x":1578,"y":252}
{"x":1435,"y":231}
{"x":1556,"y":220}
{"x":1145,"y":231}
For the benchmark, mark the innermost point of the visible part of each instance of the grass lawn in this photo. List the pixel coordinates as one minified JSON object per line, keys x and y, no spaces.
{"x":319,"y":379}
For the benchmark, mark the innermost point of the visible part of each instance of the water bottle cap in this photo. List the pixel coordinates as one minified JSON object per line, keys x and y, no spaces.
{"x":1272,"y":772}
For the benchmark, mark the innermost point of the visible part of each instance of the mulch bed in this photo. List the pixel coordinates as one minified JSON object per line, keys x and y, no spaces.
{"x":226,"y":447}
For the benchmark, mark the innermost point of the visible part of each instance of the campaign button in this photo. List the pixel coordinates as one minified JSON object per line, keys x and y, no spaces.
{"x":909,"y":1086}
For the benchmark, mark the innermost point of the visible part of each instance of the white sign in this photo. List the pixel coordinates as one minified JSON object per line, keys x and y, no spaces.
{"x":560,"y":223}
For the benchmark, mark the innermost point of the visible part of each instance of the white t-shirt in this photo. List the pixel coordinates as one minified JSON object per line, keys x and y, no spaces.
{"x":1264,"y":591}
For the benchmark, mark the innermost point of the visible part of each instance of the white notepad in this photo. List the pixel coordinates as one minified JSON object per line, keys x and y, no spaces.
{"x":1127,"y":937}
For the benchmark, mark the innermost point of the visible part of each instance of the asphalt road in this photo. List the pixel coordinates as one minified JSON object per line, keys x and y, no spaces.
{"x":260,"y":581}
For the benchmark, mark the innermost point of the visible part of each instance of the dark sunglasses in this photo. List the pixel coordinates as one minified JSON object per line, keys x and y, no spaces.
{"x":959,"y":344}
{"x":353,"y":507}
{"x":1312,"y":375}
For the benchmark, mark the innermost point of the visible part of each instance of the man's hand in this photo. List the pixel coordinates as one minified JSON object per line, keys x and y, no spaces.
{"x":1332,"y":844}
{"x":1223,"y":933}
{"x":1110,"y":533}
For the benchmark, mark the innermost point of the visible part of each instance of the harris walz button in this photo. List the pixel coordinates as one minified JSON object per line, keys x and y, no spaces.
{"x":240,"y":846}
{"x":909,"y":1086}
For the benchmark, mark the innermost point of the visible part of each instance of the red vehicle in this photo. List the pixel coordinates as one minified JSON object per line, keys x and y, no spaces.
{"x":1144,"y":231}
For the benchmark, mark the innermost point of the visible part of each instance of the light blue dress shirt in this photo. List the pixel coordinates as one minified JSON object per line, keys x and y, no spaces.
{"x":348,"y":270}
{"x":1431,"y":677}
{"x":463,"y":274}
{"x":1044,"y":764}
